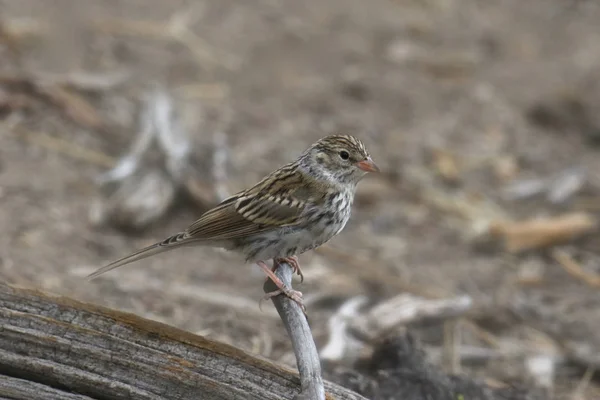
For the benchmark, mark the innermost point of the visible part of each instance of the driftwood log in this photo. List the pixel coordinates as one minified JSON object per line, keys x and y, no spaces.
{"x":53,"y":347}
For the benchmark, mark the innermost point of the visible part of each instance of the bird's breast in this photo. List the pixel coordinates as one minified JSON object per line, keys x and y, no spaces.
{"x":331,"y":218}
{"x":321,"y":223}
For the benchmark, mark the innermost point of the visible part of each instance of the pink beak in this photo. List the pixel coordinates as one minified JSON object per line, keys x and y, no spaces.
{"x":367,"y":165}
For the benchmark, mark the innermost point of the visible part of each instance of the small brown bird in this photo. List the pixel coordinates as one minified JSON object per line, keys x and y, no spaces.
{"x":294,"y":209}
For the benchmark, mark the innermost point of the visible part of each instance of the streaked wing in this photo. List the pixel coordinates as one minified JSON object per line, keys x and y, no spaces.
{"x":239,"y":216}
{"x":277,"y":201}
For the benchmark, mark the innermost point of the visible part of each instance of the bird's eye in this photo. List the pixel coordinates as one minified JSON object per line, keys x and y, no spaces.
{"x":344,"y":155}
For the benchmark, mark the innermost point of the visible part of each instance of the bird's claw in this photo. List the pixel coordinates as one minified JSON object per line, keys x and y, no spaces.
{"x":292,"y":262}
{"x":294,"y":295}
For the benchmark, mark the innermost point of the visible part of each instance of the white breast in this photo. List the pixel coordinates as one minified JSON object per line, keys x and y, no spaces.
{"x":328,"y":223}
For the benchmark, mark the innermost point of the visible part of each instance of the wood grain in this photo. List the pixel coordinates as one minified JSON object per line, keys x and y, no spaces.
{"x":54,"y":347}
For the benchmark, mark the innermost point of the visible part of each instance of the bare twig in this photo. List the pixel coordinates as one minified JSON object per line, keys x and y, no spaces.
{"x":574,"y":269}
{"x":404,"y":309}
{"x":73,"y":105}
{"x":537,"y":233}
{"x":341,"y":345}
{"x":296,"y":324}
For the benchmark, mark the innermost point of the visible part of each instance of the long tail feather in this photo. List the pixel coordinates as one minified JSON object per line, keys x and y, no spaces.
{"x":168,"y":244}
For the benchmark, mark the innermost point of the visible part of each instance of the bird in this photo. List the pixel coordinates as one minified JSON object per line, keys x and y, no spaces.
{"x":294,"y":209}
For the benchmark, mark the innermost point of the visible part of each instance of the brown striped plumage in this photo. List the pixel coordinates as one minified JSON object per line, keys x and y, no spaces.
{"x":294,"y":209}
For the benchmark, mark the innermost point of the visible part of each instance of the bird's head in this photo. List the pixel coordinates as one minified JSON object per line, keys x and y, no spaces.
{"x":339,"y":158}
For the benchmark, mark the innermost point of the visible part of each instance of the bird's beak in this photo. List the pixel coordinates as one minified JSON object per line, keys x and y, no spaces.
{"x":367,"y":165}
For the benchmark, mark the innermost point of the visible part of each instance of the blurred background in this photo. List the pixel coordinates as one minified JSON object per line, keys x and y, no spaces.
{"x":122,"y":121}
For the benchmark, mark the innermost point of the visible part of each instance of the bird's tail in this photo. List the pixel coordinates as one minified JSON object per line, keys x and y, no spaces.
{"x":168,"y":244}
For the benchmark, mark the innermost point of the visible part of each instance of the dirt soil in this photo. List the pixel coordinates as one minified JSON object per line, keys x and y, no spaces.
{"x":456,"y":100}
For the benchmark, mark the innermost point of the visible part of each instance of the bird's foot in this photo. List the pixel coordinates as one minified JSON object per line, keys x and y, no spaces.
{"x":294,"y":295}
{"x":293,"y":262}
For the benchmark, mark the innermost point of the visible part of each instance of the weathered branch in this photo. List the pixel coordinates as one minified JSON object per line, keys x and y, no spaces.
{"x":296,"y":324}
{"x":54,"y":347}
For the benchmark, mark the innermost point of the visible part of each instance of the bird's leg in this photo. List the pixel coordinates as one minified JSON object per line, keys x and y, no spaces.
{"x":293,"y":262}
{"x":281,"y":288}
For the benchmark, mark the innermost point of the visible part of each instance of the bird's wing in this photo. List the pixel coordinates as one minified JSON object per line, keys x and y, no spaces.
{"x":259,"y":209}
{"x":277,"y":201}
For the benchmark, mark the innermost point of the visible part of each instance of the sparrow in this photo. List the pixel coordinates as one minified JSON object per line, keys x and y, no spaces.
{"x":294,"y":209}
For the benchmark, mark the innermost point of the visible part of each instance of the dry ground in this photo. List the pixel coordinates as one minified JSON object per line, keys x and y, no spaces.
{"x":507,"y":89}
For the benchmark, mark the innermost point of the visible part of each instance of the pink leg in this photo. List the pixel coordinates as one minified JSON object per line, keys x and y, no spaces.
{"x":293,"y":262}
{"x":281,"y":288}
